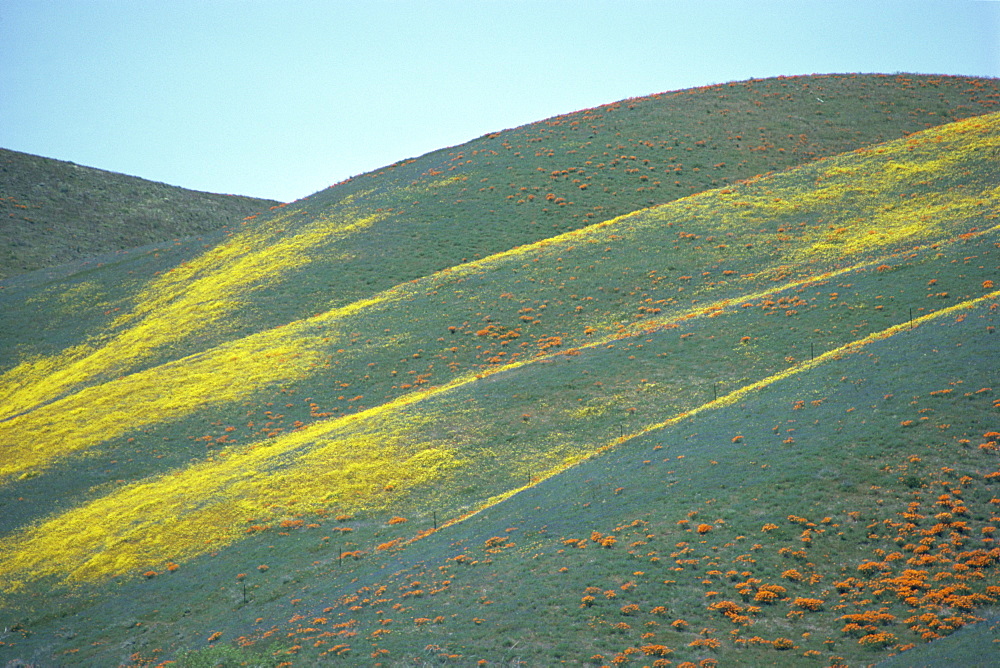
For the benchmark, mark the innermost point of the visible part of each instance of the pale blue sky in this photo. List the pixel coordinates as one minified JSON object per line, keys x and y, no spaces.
{"x":283,"y":98}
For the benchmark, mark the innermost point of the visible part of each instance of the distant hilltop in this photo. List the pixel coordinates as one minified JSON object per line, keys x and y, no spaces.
{"x":54,"y":212}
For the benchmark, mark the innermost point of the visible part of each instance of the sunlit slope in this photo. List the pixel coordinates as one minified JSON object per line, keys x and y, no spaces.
{"x":689,"y":255}
{"x":496,"y":192}
{"x":468,"y":383}
{"x":173,"y":309}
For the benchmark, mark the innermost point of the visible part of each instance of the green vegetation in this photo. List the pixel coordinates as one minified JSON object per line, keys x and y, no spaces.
{"x":55,"y":212}
{"x":388,"y":424}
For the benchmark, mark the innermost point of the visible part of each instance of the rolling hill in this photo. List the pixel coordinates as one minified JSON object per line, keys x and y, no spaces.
{"x":54,"y":212}
{"x":406,"y":419}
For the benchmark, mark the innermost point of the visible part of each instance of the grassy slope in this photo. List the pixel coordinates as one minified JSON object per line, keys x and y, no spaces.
{"x":54,"y":212}
{"x":551,"y":410}
{"x":500,"y":191}
{"x":835,"y":497}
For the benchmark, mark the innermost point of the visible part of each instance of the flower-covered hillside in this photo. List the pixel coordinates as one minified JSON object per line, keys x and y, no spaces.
{"x":185,"y":456}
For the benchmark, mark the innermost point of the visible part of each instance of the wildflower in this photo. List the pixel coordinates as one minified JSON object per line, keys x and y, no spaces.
{"x":880,"y":639}
{"x":813,"y":604}
{"x":765,"y":596}
{"x":708,"y":643}
{"x":655,"y":650}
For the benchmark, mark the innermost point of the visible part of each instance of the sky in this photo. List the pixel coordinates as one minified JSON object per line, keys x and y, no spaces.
{"x":282,"y":98}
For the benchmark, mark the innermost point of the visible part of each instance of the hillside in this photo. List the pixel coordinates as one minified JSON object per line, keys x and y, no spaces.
{"x":715,"y":425}
{"x":53,"y":212}
{"x":508,"y":189}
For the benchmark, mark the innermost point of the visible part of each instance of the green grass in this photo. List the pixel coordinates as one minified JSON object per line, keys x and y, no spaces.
{"x":735,"y":358}
{"x":843,"y":462}
{"x":971,"y":646}
{"x":57,"y":212}
{"x":439,"y":211}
